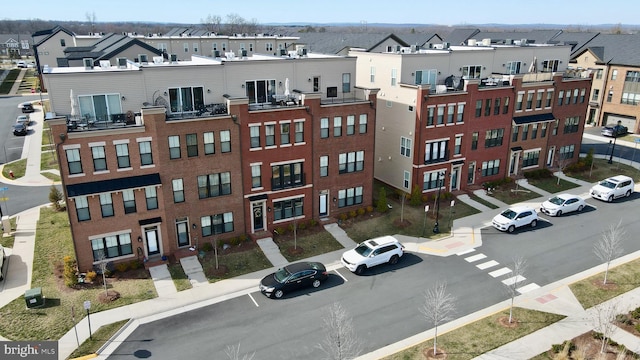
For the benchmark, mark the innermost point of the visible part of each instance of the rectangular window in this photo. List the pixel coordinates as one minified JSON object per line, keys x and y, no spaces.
{"x":73,"y":161}
{"x":471,"y":71}
{"x":111,"y":246}
{"x":351,"y":124}
{"x":505,"y":108}
{"x":394,"y":77}
{"x":543,"y":133}
{"x":209,"y":143}
{"x":519,"y":98}
{"x":460,"y":113}
{"x":351,"y":162}
{"x":496,"y":106}
{"x":530,"y":158}
{"x":216,"y":224}
{"x":491,"y":167}
{"x":363,"y":123}
{"x":270,"y":135}
{"x":82,"y":208}
{"x":178,"y":190}
{"x":539,"y":99}
{"x":192,"y":145}
{"x":324,"y":128}
{"x":151,"y":196}
{"x":122,"y":151}
{"x":372,"y":74}
{"x":99,"y":107}
{"x":213,"y":185}
{"x":406,"y":180}
{"x":525,"y":131}
{"x":566,"y":152}
{"x":529,"y":100}
{"x":436,"y":151}
{"x":534,"y":131}
{"x":567,"y":97}
{"x":350,"y":196}
{"x":487,"y":107}
{"x":299,"y":129}
{"x":478,"y":108}
{"x":405,"y":147}
{"x":474,"y":141}
{"x":186,"y":99}
{"x":555,"y":128}
{"x":457,"y":145}
{"x":582,"y":94}
{"x":256,"y":176}
{"x":513,"y":67}
{"x":596,"y":94}
{"x":260,"y":91}
{"x":287,"y":176}
{"x":560,"y":97}
{"x":324,"y":166}
{"x":284,"y":134}
{"x":337,"y":126}
{"x":430,"y":115}
{"x":174,"y":147}
{"x":575,"y":95}
{"x":346,"y":83}
{"x":550,"y":65}
{"x":451,"y":109}
{"x":599,"y":74}
{"x":182,"y":232}
{"x":610,"y":96}
{"x":225,"y":141}
{"x":549,"y":99}
{"x":146,"y":157}
{"x":288,"y":209}
{"x":254,"y":133}
{"x":427,"y":77}
{"x":571,"y":124}
{"x":432,"y":180}
{"x":614,"y":74}
{"x":440,"y":114}
{"x":129,"y":200}
{"x":106,"y":205}
{"x":99,"y":158}
{"x":514,"y":133}
{"x":493,"y":138}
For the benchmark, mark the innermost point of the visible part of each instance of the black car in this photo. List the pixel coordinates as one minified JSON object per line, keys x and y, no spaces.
{"x":614,"y":131}
{"x":27,"y":108}
{"x":20,"y":129}
{"x":292,"y":277}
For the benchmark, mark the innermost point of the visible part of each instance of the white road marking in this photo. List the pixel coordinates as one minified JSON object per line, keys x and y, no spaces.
{"x":488,"y":264}
{"x":254,"y":300}
{"x":513,"y":280}
{"x":337,"y":272}
{"x":475,"y":257}
{"x":500,"y":272}
{"x":466,"y":252}
{"x":527,"y":288}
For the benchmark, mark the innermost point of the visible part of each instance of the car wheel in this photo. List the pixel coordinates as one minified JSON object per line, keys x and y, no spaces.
{"x":360,"y":270}
{"x":393,"y":260}
{"x":628,"y":193}
{"x":610,"y":199}
{"x":580,"y":208}
{"x":511,"y":228}
{"x":278,"y":294}
{"x":315,"y":283}
{"x":559,"y":213}
{"x":534,"y":223}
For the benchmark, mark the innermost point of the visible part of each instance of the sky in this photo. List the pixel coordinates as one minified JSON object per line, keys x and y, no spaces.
{"x":438,"y":12}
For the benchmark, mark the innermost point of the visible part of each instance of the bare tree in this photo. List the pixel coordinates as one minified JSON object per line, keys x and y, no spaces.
{"x":102,"y":267}
{"x":233,"y":352}
{"x":604,"y":316}
{"x":91,"y":19}
{"x":340,"y":340}
{"x":610,"y":246}
{"x":439,"y":306}
{"x":519,"y":267}
{"x":212,"y":23}
{"x":564,"y":160}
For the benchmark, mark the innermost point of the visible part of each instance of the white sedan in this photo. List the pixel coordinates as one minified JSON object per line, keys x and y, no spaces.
{"x":562,"y":204}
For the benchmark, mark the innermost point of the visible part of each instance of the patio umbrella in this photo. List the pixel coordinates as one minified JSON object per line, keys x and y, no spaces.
{"x":534,"y":65}
{"x":286,"y":87}
{"x":74,"y":105}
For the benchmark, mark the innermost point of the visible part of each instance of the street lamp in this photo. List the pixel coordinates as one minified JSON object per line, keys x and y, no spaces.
{"x":436,"y":226}
{"x":612,"y":149}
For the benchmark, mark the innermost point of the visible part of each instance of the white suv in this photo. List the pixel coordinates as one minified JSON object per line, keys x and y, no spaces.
{"x":385,"y":249}
{"x":613,"y":188}
{"x":515,"y":217}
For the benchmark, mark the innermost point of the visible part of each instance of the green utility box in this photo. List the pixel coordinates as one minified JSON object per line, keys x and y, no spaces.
{"x":34,"y":298}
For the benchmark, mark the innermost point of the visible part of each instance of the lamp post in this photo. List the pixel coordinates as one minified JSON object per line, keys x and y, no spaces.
{"x":612,"y":149}
{"x":436,"y":226}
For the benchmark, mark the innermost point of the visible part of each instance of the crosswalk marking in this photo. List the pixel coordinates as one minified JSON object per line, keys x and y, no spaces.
{"x":513,"y":280}
{"x":488,"y":264}
{"x":527,"y":288}
{"x":466,"y":252}
{"x":475,"y":257}
{"x":500,"y":272}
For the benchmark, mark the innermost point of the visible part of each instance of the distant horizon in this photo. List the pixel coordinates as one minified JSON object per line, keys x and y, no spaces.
{"x":461,"y":13}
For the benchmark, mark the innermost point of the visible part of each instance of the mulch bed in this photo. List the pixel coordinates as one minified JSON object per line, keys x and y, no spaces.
{"x":428,"y":354}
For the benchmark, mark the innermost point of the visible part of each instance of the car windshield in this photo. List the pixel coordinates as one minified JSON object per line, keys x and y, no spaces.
{"x":556,"y":200}
{"x":363,"y":250}
{"x":607,"y":184}
{"x":281,"y":275}
{"x":509,"y":214}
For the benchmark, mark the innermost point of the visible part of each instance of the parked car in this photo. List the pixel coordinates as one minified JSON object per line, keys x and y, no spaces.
{"x":515,"y":217}
{"x":613,"y":188}
{"x":382,"y":250}
{"x":23,"y":119}
{"x":562,"y":204}
{"x":21,"y":64}
{"x":20,"y":129}
{"x":26,"y":107}
{"x":292,"y":277}
{"x":1,"y":262}
{"x":614,"y":130}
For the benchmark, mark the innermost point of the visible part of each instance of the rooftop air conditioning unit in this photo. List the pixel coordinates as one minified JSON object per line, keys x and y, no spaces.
{"x":486,"y":42}
{"x":523,"y":42}
{"x":446,"y":45}
{"x":173,"y":57}
{"x":105,"y":64}
{"x":157,"y":59}
{"x":413,"y":48}
{"x":143,"y":58}
{"x":122,"y":63}
{"x":508,"y":42}
{"x":88,"y":63}
{"x":304,"y":52}
{"x":471,"y":42}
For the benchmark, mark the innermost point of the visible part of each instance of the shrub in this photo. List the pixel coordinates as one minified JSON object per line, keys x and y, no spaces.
{"x":382,"y":200}
{"x":558,"y":348}
{"x":369,"y":209}
{"x":636,"y":313}
{"x":56,"y":197}
{"x":353,"y":214}
{"x":135,"y":264}
{"x":313,"y":223}
{"x":623,"y":319}
{"x":90,"y":276}
{"x":290,"y":227}
{"x":361,"y":211}
{"x":637,"y":327}
{"x":207,"y":246}
{"x":243,"y":238}
{"x":221,"y":243}
{"x":302,"y":225}
{"x":343,"y":216}
{"x":122,"y":267}
{"x":70,"y":271}
{"x":280,"y":230}
{"x":416,"y":196}
{"x":538,"y":174}
{"x":234,"y":241}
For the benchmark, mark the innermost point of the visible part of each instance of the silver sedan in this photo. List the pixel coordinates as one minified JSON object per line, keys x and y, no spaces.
{"x":562,"y":204}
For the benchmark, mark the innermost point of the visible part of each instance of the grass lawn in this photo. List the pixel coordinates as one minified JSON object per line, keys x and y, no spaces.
{"x":477,"y":338}
{"x":48,"y":160}
{"x":620,"y":279}
{"x":482,"y":201}
{"x":53,"y":242}
{"x":602,"y":170}
{"x":310,"y":242}
{"x":511,"y":193}
{"x":7,"y":241}
{"x":8,"y":82}
{"x":551,"y":184}
{"x":19,"y":167}
{"x":100,"y":337}
{"x":234,"y":261}
{"x":180,"y":279}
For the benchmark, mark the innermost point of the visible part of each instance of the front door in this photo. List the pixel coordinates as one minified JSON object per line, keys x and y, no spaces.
{"x":258,"y":216}
{"x":323,"y":204}
{"x":472,"y":173}
{"x":455,"y":174}
{"x":151,"y":234}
